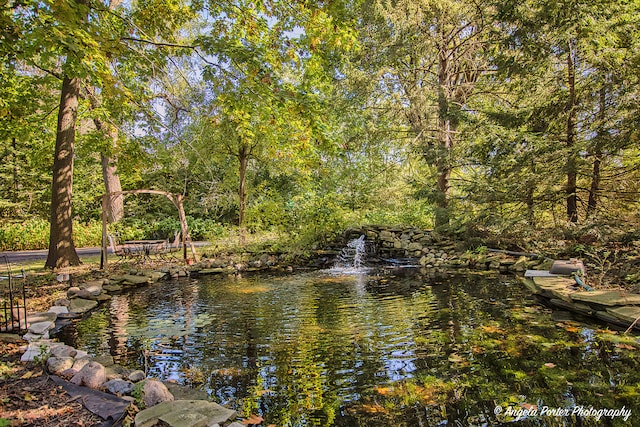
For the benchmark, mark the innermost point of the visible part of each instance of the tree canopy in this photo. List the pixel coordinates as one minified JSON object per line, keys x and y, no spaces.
{"x":310,"y":116}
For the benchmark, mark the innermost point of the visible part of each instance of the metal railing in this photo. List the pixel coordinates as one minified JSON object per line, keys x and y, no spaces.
{"x":14,"y":310}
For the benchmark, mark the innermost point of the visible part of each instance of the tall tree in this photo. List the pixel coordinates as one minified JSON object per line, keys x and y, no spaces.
{"x":429,"y":55}
{"x":77,"y":41}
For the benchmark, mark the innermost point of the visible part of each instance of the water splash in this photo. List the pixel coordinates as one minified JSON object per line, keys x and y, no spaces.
{"x":352,"y":256}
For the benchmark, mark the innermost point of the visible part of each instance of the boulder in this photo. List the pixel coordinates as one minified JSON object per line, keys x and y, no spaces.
{"x":91,"y":375}
{"x":80,"y":362}
{"x":62,"y":350}
{"x":185,"y":413}
{"x":119,"y":387}
{"x":154,"y":392}
{"x":136,"y":376}
{"x":57,"y":365}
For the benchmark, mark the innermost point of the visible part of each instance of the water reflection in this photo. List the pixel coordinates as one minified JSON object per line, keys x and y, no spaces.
{"x":390,"y":347}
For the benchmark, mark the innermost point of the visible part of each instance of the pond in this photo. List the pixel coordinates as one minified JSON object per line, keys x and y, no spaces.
{"x":387,"y":347}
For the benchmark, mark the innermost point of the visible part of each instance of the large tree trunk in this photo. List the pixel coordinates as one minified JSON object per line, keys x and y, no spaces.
{"x":445,"y":144}
{"x":115,"y":204}
{"x":597,"y":156}
{"x":572,"y":174}
{"x":243,"y":158}
{"x":62,"y":251}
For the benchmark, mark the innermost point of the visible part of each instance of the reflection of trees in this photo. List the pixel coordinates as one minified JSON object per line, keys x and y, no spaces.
{"x":117,"y":331}
{"x":321,"y":350}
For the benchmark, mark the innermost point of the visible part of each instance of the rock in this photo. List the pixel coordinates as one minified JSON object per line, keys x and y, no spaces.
{"x":62,"y":350}
{"x":607,"y":298}
{"x":59,"y":309}
{"x":41,"y":327}
{"x":185,"y":413}
{"x":79,"y":305}
{"x":37,"y":350}
{"x":36,"y":337}
{"x":81,"y":354}
{"x":42,"y":317}
{"x":68,"y":373}
{"x":136,"y":280}
{"x":56,"y":365}
{"x":80,"y":363}
{"x":102,"y":297}
{"x":62,"y":301}
{"x":154,"y":392}
{"x":119,"y":387}
{"x":93,"y":286}
{"x":91,"y":375}
{"x":83,"y":293}
{"x":112,"y":288}
{"x":415,"y":246}
{"x":157,"y":275}
{"x":72,"y":292}
{"x":136,"y":376}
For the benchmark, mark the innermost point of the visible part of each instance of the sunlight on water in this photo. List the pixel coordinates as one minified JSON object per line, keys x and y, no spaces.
{"x":388,"y":347}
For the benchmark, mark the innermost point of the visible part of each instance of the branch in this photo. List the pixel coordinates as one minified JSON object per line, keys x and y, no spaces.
{"x":159,"y":44}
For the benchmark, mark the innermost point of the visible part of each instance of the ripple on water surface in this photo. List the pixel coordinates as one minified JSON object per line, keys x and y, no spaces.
{"x":370,"y":347}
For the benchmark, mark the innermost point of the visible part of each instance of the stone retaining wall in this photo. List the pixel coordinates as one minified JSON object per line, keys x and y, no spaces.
{"x":432,"y":250}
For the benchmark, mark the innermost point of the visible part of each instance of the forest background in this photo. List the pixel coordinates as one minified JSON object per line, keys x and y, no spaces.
{"x":295,"y":120}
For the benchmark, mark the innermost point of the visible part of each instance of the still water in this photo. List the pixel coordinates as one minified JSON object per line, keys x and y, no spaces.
{"x":389,"y":347}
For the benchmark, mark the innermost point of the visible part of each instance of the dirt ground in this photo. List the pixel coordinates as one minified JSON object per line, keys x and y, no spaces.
{"x":29,"y":398}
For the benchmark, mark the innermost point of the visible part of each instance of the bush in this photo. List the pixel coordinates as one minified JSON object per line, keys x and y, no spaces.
{"x":34,"y":233}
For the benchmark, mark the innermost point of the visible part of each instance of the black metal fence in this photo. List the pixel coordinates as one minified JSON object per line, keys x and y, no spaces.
{"x":14,"y":305}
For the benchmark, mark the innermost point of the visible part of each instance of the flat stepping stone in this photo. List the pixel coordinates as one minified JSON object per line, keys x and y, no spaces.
{"x":136,"y":280}
{"x":59,"y":309}
{"x":607,"y":298}
{"x":41,"y":327}
{"x":627,"y":313}
{"x":219,"y":270}
{"x":185,"y":413}
{"x":112,"y":288}
{"x":556,"y":287}
{"x":47,"y":316}
{"x":80,"y":305}
{"x":539,"y":273}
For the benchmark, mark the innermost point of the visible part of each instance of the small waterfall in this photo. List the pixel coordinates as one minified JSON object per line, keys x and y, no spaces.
{"x":353,"y":255}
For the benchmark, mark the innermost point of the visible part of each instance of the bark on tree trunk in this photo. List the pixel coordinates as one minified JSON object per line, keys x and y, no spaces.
{"x":571,"y":190}
{"x":115,"y":203}
{"x":62,"y":251}
{"x":243,"y":158}
{"x":444,"y":144}
{"x":592,"y":205}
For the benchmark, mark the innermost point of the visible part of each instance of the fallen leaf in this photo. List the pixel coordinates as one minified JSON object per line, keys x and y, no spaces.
{"x":253,"y":419}
{"x":625,"y":346}
{"x":384,"y":390}
{"x":550,"y":365}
